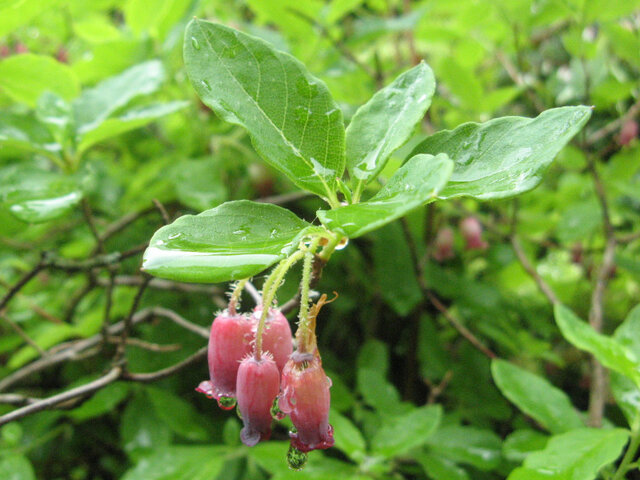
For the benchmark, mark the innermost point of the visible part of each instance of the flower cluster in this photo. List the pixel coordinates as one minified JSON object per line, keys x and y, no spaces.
{"x":262,"y":375}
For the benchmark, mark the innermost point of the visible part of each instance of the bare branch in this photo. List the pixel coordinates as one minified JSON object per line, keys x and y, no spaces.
{"x":23,"y":334}
{"x":54,"y":400}
{"x":21,"y":283}
{"x":614,"y":125}
{"x":181,"y":321}
{"x":163,"y":212}
{"x":284,"y":198}
{"x":166,"y":372}
{"x":530,"y":269}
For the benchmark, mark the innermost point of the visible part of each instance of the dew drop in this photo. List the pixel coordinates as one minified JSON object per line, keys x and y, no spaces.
{"x":195,"y":43}
{"x":276,"y":413}
{"x":226,"y":403}
{"x":301,"y":113}
{"x":173,"y":236}
{"x":296,"y":459}
{"x":229,"y":52}
{"x":206,"y":85}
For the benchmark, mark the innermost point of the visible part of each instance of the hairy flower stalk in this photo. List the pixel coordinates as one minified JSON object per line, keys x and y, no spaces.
{"x":276,"y":338}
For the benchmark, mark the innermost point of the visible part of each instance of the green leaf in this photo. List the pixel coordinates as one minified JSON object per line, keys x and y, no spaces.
{"x":536,"y":397}
{"x":16,"y":467}
{"x":377,"y":391}
{"x":626,"y":393}
{"x":505,"y":156}
{"x":405,"y":432}
{"x":575,"y":455}
{"x":95,"y":105}
{"x":26,"y":132}
{"x":415,"y":183}
{"x":106,"y":400}
{"x":347,"y":436}
{"x":294,"y":123}
{"x":386,"y":122}
{"x":129,"y":120}
{"x":34,"y":195}
{"x":180,"y":463}
{"x":519,"y":444}
{"x":235,"y":240}
{"x":200,"y":184}
{"x":141,"y":430}
{"x":608,"y":351}
{"x":439,"y":468}
{"x":469,"y":445}
{"x":25,"y":77}
{"x":178,"y":414}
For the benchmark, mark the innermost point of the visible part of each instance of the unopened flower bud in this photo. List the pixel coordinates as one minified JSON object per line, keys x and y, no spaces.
{"x":276,"y":337}
{"x":472,"y":232}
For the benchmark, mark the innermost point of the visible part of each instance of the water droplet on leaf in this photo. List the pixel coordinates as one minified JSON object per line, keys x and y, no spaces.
{"x":195,"y":43}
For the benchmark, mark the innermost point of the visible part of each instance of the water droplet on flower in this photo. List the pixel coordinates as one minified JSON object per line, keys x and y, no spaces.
{"x":296,"y":459}
{"x":195,"y":43}
{"x":276,"y":413}
{"x":226,"y":403}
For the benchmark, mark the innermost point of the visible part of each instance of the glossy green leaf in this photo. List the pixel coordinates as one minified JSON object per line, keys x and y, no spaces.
{"x":16,"y":467}
{"x":129,"y":120}
{"x":141,"y":430}
{"x":626,"y":393}
{"x":26,"y":132}
{"x":180,"y":463}
{"x":525,"y":390}
{"x":468,"y":445}
{"x":235,"y":240}
{"x":25,"y":77}
{"x":104,"y":401}
{"x":505,"y":156}
{"x":34,"y":195}
{"x":439,"y":468}
{"x":402,"y":433}
{"x":96,"y":104}
{"x":294,"y":123}
{"x":378,"y":392}
{"x":177,"y":413}
{"x":519,"y":444}
{"x":386,"y":122}
{"x":575,"y":455}
{"x":347,"y":436}
{"x":414,"y":184}
{"x":609,"y":352}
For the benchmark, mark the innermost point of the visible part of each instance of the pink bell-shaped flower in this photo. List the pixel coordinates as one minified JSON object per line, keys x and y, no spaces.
{"x":257,"y":386}
{"x":276,"y":337}
{"x":443,"y":245}
{"x":229,"y":342}
{"x":472,"y":232}
{"x":306,"y":399}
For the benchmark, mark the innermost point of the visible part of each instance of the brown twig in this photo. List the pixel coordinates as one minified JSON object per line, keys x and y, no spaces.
{"x":23,"y":334}
{"x":181,"y":321}
{"x":163,"y":211}
{"x":613,"y":126}
{"x":166,"y":372}
{"x":530,"y":269}
{"x":88,"y":216}
{"x":152,"y":347}
{"x":284,"y":198}
{"x":128,"y":321}
{"x":435,"y":301}
{"x":161,"y":284}
{"x":54,"y":400}
{"x":599,"y":378}
{"x":21,"y":283}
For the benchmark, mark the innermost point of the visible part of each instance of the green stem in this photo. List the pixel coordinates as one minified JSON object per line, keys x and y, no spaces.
{"x":305,"y":286}
{"x":628,"y":456}
{"x":330,"y":247}
{"x":269,"y":292}
{"x":235,"y":296}
{"x":358,"y":192}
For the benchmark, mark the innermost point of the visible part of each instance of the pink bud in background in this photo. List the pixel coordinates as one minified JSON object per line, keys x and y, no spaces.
{"x":4,"y":51}
{"x":306,"y":399}
{"x":276,"y":337}
{"x":472,"y":232}
{"x":229,"y":342}
{"x":257,"y":386}
{"x":628,"y":132}
{"x":443,"y":245}
{"x":62,"y":55}
{"x":20,"y":48}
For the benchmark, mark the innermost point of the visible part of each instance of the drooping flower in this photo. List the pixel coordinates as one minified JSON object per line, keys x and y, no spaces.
{"x":229,"y":342}
{"x":306,"y":399}
{"x":472,"y":232}
{"x":258,"y":384}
